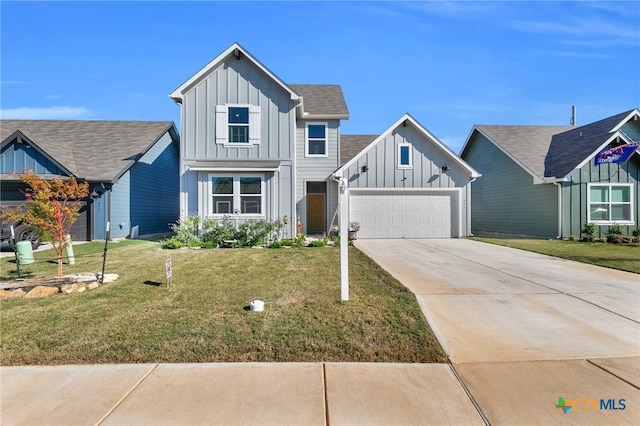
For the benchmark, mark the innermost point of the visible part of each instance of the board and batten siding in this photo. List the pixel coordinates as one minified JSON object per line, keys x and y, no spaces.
{"x":121,"y":207}
{"x":317,"y":169}
{"x":505,"y":200}
{"x":574,"y":194}
{"x":427,"y":159}
{"x":18,"y":157}
{"x":238,"y":82}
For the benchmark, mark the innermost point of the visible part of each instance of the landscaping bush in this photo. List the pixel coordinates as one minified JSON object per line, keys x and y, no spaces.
{"x":214,"y":232}
{"x":590,"y":230}
{"x":171,"y":244}
{"x":257,"y":232}
{"x":275,"y":244}
{"x":617,"y":235}
{"x":316,"y":243}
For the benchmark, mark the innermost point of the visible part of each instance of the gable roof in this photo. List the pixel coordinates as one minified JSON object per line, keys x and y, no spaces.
{"x":583,"y":142}
{"x":553,"y":152}
{"x":322,"y":101}
{"x":407,"y":119}
{"x":351,"y":145}
{"x":97,"y":151}
{"x":234,"y":50}
{"x":526,"y":145}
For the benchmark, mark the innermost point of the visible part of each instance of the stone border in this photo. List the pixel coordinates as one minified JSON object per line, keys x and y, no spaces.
{"x":38,"y":288}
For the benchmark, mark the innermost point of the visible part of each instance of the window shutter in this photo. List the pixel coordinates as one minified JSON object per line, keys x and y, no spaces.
{"x":222,"y":124}
{"x":254,"y":124}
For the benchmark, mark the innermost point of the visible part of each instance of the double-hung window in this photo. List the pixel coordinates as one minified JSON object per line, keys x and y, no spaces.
{"x":316,"y":145}
{"x":404,"y":156}
{"x":610,"y":203}
{"x":236,"y":194}
{"x":237,"y":125}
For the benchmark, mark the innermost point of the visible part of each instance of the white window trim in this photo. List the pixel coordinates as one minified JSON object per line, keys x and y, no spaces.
{"x":326,"y":139}
{"x":631,"y":220}
{"x":236,"y":196}
{"x":222,"y":125}
{"x":405,"y":166}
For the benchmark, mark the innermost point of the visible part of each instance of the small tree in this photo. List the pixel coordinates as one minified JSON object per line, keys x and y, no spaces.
{"x":52,"y":206}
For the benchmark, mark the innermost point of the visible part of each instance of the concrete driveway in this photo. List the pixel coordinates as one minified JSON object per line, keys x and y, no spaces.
{"x":524,"y":329}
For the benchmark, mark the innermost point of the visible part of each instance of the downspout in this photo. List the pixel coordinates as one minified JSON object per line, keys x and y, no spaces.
{"x":559,"y":185}
{"x":468,"y":201}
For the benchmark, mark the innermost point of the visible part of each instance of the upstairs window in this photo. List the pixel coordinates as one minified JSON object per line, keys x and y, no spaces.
{"x":238,"y":125}
{"x":316,"y":145}
{"x":610,"y":203}
{"x":404,"y":156}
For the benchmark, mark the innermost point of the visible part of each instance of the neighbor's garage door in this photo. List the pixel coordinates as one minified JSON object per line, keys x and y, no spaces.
{"x":404,"y":214}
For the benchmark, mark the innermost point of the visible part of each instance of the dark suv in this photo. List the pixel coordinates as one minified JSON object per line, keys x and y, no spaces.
{"x":22,"y":232}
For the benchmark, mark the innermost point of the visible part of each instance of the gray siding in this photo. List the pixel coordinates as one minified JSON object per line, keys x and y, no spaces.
{"x":155,"y":188}
{"x":504,"y":199}
{"x":427,"y":157}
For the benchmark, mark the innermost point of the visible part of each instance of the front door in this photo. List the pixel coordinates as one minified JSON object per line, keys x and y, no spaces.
{"x":316,"y":194}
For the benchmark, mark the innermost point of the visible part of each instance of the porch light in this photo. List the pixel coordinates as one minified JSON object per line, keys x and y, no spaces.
{"x":445,"y":169}
{"x":365,"y":168}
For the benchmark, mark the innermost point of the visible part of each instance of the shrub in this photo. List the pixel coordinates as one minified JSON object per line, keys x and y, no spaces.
{"x":275,"y":244}
{"x":636,"y":232}
{"x":590,"y":230}
{"x":257,"y":232}
{"x":172,"y":243}
{"x":616,"y":234}
{"x":214,"y":232}
{"x":316,"y":243}
{"x":287,"y":243}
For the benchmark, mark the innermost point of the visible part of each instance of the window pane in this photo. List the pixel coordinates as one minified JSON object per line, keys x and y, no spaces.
{"x":621,"y":212}
{"x":316,"y":131}
{"x":317,"y":147}
{"x":222,"y":185}
{"x":250,"y":204}
{"x":599,"y":194}
{"x":404,"y":156}
{"x":239,"y":115}
{"x":599,"y":212}
{"x":316,"y":187}
{"x":250,"y":185}
{"x":239,"y":134}
{"x":222,"y":205}
{"x":621,"y":194}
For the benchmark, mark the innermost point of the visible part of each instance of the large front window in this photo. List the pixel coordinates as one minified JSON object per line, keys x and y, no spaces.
{"x":237,"y":195}
{"x":610,"y":203}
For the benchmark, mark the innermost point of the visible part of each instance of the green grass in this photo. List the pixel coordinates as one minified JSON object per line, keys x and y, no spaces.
{"x":203,"y":316}
{"x":625,"y":257}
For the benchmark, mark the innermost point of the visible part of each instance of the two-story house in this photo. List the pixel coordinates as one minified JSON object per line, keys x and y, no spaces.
{"x":255,"y":147}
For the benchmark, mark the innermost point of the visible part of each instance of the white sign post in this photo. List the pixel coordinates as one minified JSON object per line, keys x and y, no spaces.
{"x":169,"y":271}
{"x":343,"y":205}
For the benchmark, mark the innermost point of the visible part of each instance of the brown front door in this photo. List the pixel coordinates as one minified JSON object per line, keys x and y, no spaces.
{"x":315,"y":213}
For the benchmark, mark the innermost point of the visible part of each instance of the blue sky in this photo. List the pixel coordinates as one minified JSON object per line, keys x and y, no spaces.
{"x":449,"y":64}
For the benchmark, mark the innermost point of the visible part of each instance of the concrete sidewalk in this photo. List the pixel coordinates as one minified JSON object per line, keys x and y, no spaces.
{"x":235,"y":394}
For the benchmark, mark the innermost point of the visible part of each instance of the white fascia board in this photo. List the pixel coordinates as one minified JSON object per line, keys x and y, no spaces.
{"x":594,"y":153}
{"x":635,"y":114}
{"x":357,"y":191}
{"x":234,"y":169}
{"x":536,"y":179}
{"x":177,"y":94}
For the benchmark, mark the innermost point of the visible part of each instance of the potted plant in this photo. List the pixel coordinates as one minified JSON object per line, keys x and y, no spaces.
{"x":354,"y":227}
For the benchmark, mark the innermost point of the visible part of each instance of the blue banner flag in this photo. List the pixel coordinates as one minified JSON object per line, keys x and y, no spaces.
{"x":618,"y":154}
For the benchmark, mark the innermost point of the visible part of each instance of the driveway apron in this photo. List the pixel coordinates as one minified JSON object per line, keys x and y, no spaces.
{"x":524,"y":329}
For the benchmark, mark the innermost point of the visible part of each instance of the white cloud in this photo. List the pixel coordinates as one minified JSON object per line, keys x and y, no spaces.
{"x":46,"y":113}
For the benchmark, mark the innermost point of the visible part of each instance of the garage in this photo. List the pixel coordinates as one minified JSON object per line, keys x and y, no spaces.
{"x":387,"y":213}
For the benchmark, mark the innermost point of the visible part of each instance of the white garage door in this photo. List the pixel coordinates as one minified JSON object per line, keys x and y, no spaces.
{"x":406,"y":214}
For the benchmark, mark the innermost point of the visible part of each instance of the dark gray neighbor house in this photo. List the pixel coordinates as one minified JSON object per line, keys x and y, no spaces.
{"x":131,"y":167}
{"x":543,"y":181}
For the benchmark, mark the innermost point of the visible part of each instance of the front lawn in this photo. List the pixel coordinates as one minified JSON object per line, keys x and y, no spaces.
{"x":203,"y":316}
{"x":625,"y":257}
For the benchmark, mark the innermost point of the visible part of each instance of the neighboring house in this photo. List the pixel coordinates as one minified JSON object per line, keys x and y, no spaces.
{"x":131,"y":167}
{"x":255,"y":147}
{"x":543,"y":181}
{"x":405,"y":183}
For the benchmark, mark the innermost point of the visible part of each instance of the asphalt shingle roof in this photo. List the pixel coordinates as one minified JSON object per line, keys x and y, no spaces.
{"x":322,"y":99}
{"x":527,"y":144}
{"x":90,"y":150}
{"x":352,"y":145}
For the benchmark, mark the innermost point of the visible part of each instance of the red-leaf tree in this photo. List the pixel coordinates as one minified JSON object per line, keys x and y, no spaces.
{"x":52,"y":206}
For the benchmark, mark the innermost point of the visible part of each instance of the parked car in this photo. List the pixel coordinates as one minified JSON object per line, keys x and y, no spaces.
{"x":22,"y":232}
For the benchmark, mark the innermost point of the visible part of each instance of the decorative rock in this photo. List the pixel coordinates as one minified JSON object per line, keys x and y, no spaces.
{"x":41,"y":291}
{"x":82,"y":277}
{"x":109,"y":278}
{"x":66,"y":288}
{"x":12,"y":294}
{"x":79,"y":287}
{"x":93,"y":285}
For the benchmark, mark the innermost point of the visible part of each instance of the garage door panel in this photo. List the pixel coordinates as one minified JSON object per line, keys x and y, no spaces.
{"x":406,"y":215}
